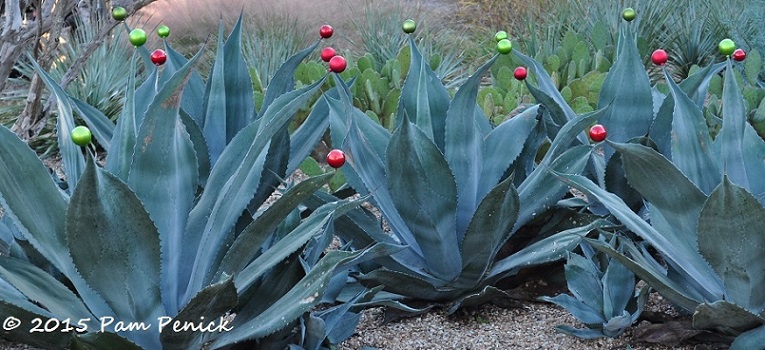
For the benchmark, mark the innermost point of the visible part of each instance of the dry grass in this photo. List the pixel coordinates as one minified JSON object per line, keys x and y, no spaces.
{"x":512,"y":15}
{"x":192,"y":21}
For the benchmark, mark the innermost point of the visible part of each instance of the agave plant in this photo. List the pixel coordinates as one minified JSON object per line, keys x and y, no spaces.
{"x":604,"y":296}
{"x":168,"y":232}
{"x":703,"y":216}
{"x":453,"y":189}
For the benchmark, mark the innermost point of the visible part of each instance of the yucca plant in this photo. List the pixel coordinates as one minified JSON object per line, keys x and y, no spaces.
{"x":453,"y":189}
{"x":603,"y":294}
{"x":703,"y":214}
{"x":167,"y":233}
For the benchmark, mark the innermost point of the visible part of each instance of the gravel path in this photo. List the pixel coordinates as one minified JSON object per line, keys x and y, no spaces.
{"x":487,"y":327}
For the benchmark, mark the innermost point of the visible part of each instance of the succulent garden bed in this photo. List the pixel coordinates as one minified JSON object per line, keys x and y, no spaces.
{"x":607,"y":187}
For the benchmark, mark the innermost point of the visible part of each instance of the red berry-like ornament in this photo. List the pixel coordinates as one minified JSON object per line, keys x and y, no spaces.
{"x":336,"y":158}
{"x":158,"y":57}
{"x":327,"y":53}
{"x":739,"y":55}
{"x":520,"y":73}
{"x":326,"y":31}
{"x":659,"y":57}
{"x":337,"y":64}
{"x":598,"y":133}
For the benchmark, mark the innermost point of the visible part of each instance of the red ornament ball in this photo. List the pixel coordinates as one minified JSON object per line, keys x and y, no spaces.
{"x":598,"y":133}
{"x":520,"y":73}
{"x":327,"y":53}
{"x":336,"y":158}
{"x":659,"y":57}
{"x":337,"y":64}
{"x":158,"y":57}
{"x":326,"y":31}
{"x":739,"y":55}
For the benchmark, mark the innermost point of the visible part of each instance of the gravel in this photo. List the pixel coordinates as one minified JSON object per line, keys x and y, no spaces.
{"x":487,"y":327}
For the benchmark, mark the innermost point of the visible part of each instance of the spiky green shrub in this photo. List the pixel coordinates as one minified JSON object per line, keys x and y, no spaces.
{"x":442,"y":182}
{"x":603,"y":294}
{"x":704,"y":201}
{"x":169,"y":229}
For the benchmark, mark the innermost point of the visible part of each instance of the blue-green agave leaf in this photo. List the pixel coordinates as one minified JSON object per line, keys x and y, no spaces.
{"x":568,"y":135}
{"x":731,"y":136}
{"x":642,"y":165}
{"x":316,"y":224}
{"x":211,"y":303}
{"x":238,"y":84}
{"x":732,"y":215}
{"x":464,"y":147}
{"x":54,"y":340}
{"x":488,"y":230}
{"x":43,"y":289}
{"x":301,"y":298}
{"x":371,"y":172}
{"x":584,"y":282}
{"x":71,"y":154}
{"x":163,"y":175}
{"x":407,"y":283}
{"x":653,"y":274}
{"x":308,"y":134}
{"x":553,"y":248}
{"x":425,"y":99}
{"x":99,"y":124}
{"x":232,"y":184}
{"x":503,"y":146}
{"x":754,"y":161}
{"x":216,"y":120}
{"x":617,"y":325}
{"x":424,"y":192}
{"x":193,"y":91}
{"x":691,"y":144}
{"x":252,"y":238}
{"x":696,"y":87}
{"x":674,"y":250}
{"x":115,"y":247}
{"x":200,"y":145}
{"x":629,"y":107}
{"x":542,"y":190}
{"x":581,"y":311}
{"x":283,"y":80}
{"x":748,"y":340}
{"x":25,"y":185}
{"x":725,"y":315}
{"x":618,"y":289}
{"x":123,"y":140}
{"x":548,"y":88}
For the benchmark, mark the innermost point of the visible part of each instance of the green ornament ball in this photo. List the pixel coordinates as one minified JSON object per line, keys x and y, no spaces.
{"x":137,"y":37}
{"x":500,"y":35}
{"x":81,"y":136}
{"x":629,"y":14}
{"x":163,"y":31}
{"x":119,"y":13}
{"x":409,"y":26}
{"x":504,"y":46}
{"x":726,"y":47}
